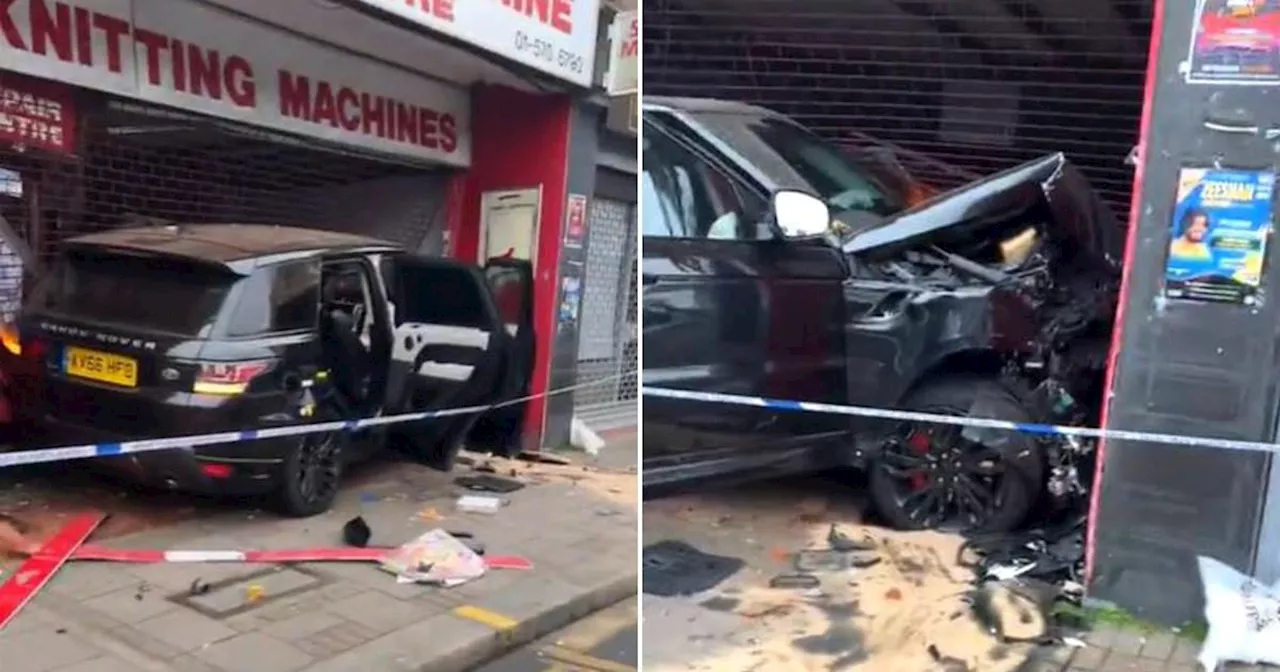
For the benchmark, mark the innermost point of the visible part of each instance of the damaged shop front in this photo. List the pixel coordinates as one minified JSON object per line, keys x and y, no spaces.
{"x":931,"y":97}
{"x":444,"y":131}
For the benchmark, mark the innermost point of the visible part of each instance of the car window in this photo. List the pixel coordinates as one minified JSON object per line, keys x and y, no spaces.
{"x":152,"y":293}
{"x":278,"y":298}
{"x":796,"y":157}
{"x":445,"y":295}
{"x":686,"y":197}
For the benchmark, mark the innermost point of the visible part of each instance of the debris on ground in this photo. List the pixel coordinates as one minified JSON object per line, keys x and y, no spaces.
{"x":435,"y":558}
{"x":488,"y":483}
{"x":479,"y":504}
{"x":794,"y":582}
{"x":672,"y":568}
{"x":1242,"y":616}
{"x":356,"y":532}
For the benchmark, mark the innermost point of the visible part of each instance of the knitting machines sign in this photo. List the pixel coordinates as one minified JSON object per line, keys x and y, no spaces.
{"x":201,"y":59}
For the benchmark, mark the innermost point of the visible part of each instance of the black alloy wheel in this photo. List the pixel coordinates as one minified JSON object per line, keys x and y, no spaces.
{"x":931,"y":476}
{"x":312,"y":474}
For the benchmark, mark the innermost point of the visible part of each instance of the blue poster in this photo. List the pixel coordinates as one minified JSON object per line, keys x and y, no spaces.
{"x":1221,"y":223}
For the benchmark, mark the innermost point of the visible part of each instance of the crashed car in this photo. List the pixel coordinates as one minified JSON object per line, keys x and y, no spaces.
{"x":179,"y":330}
{"x":776,"y":265}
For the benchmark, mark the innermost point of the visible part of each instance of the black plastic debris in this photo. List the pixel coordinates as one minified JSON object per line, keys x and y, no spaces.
{"x":1054,"y":554}
{"x":671,"y":568}
{"x":198,"y":588}
{"x":356,"y":532}
{"x":488,"y":483}
{"x":794,"y":581}
{"x":839,"y":541}
{"x":1016,"y":610}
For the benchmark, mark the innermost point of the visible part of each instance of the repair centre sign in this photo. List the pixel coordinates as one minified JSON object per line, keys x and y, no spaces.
{"x":201,"y":59}
{"x":557,"y":37}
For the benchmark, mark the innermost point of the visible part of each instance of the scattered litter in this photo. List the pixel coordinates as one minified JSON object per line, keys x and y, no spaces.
{"x":947,"y":663}
{"x":488,"y":483}
{"x":1014,"y":611}
{"x":673,"y":568}
{"x":794,"y":581}
{"x":198,"y":588}
{"x":142,"y":591}
{"x":841,"y":542}
{"x":435,"y":558}
{"x":479,"y":504}
{"x":1075,"y":642}
{"x":429,"y":515}
{"x":541,"y":457}
{"x":815,"y":560}
{"x":583,"y":437}
{"x":356,"y":532}
{"x":254,"y":592}
{"x":1241,"y":614}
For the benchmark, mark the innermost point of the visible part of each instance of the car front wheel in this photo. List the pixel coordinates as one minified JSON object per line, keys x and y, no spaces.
{"x":312,"y":474}
{"x":935,"y":476}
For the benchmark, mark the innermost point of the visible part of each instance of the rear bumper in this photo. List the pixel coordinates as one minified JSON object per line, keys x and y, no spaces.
{"x":236,"y":469}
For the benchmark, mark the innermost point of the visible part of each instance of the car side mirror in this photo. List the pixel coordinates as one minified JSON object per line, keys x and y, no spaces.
{"x":800,"y":215}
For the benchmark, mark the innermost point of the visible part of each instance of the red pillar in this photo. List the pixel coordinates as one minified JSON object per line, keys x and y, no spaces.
{"x":519,"y":140}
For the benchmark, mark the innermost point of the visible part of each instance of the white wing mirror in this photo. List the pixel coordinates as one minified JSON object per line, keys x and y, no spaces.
{"x":800,"y":215}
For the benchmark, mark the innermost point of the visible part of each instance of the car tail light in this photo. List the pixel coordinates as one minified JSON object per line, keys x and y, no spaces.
{"x":218,"y":471}
{"x":10,"y":339}
{"x":228,"y":378}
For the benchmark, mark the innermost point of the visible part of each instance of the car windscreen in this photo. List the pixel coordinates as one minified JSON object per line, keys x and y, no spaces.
{"x":794,"y":157}
{"x":147,"y":292}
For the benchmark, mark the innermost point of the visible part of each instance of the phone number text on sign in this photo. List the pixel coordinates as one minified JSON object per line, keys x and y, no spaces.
{"x":547,"y":52}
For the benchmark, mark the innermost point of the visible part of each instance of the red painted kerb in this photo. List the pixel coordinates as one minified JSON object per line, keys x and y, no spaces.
{"x":519,"y":141}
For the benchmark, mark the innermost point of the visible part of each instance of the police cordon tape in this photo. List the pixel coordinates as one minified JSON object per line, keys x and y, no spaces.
{"x":109,"y":449}
{"x":956,"y":420}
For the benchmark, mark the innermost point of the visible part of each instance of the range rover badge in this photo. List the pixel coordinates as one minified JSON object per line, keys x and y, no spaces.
{"x":169,"y":374}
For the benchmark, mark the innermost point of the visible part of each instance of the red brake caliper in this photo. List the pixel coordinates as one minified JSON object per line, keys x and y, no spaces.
{"x":919,"y":444}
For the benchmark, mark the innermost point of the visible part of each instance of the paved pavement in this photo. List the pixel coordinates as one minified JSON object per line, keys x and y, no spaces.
{"x":1117,"y":650}
{"x":606,"y":641}
{"x":576,"y":523}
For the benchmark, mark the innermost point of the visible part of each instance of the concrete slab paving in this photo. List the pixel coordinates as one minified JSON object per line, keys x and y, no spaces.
{"x":580,"y":535}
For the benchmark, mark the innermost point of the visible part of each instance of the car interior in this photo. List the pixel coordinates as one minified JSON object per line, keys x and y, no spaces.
{"x":347,"y":325}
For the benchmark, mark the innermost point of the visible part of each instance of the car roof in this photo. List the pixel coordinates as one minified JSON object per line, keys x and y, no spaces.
{"x":705,"y":106}
{"x":238,"y":246}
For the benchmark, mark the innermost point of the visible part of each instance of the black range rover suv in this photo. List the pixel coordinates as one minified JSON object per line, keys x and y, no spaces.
{"x":191,"y":329}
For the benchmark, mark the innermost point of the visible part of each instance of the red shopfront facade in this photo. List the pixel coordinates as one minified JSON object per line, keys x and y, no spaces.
{"x":229,"y":110}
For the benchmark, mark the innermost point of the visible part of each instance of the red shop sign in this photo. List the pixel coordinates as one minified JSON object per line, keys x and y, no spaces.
{"x":37,"y":113}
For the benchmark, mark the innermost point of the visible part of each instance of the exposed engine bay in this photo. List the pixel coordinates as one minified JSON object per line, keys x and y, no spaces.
{"x":1040,"y":248}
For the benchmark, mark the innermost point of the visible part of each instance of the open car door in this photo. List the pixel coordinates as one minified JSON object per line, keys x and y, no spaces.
{"x":510,"y":281}
{"x":451,"y":348}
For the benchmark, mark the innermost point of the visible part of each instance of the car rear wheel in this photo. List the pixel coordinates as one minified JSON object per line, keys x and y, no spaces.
{"x":933,"y":476}
{"x":312,"y":474}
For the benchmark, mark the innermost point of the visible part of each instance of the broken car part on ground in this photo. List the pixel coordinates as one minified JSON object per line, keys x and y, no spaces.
{"x":231,"y":327}
{"x":775,"y":265}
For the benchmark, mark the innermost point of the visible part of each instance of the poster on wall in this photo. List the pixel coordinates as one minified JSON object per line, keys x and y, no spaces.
{"x":575,"y":222}
{"x":570,"y":301}
{"x":1235,"y":42}
{"x":1220,"y":230}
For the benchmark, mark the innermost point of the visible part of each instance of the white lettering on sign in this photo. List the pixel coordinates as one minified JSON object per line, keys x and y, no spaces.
{"x":29,"y":118}
{"x":202,"y":59}
{"x":557,"y":37}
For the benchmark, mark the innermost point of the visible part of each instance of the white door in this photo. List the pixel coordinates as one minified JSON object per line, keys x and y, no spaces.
{"x":509,"y":224}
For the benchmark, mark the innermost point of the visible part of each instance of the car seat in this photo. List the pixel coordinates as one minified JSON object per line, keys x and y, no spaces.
{"x":346,"y":357}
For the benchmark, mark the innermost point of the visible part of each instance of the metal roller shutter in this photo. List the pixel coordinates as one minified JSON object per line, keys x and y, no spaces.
{"x":140,"y":163}
{"x":959,"y":88}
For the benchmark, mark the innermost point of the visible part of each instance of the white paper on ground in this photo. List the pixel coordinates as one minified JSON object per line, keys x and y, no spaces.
{"x":1243,"y":617}
{"x":436,"y":557}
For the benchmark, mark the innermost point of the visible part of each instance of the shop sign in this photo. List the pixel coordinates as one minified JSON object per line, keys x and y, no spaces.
{"x":557,"y":37}
{"x":623,"y":75}
{"x":34,"y":113}
{"x":201,"y":59}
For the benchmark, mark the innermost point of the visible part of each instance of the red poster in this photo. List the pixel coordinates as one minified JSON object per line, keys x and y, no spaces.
{"x":575,"y":224}
{"x":37,"y":113}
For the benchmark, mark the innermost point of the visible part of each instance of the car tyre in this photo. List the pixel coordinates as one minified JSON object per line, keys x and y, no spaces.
{"x":1019,"y":461}
{"x":311,"y":476}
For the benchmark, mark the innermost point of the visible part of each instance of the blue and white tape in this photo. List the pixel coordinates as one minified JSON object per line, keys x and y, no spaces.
{"x":109,"y":449}
{"x":935,"y":418}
